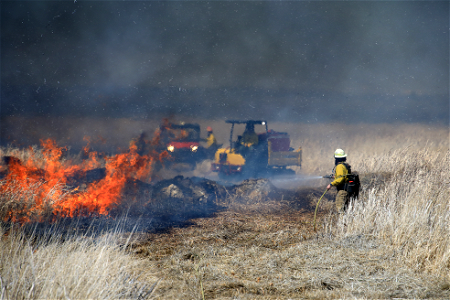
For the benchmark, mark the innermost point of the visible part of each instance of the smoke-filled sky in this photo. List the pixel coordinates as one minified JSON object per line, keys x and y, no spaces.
{"x":321,"y":61}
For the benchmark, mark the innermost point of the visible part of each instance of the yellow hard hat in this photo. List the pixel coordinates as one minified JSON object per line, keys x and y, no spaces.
{"x":339,"y":153}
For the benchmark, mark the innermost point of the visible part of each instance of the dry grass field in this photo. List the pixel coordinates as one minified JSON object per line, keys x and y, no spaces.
{"x":393,"y":242}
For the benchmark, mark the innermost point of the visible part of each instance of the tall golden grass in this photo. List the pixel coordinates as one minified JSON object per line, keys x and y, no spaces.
{"x":58,"y":265}
{"x":410,"y":210}
{"x":405,"y":200}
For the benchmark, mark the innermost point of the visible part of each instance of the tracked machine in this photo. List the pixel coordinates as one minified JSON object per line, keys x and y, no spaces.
{"x":256,"y":155}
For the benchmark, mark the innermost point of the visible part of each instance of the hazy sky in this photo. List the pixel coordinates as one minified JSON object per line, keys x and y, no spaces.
{"x":377,"y":60}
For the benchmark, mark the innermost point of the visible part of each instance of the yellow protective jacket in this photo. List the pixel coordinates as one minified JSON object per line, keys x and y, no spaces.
{"x":211,"y":140}
{"x":340,"y":176}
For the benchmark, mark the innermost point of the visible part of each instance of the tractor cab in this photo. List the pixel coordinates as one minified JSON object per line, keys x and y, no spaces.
{"x":251,"y":137}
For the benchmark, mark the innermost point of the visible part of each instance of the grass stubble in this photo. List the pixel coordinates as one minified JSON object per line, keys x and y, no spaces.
{"x":392,"y":243}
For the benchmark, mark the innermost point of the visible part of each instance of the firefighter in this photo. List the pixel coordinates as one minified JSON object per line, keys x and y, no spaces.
{"x":211,"y":141}
{"x":139,"y":143}
{"x":249,"y":138}
{"x":341,"y":170}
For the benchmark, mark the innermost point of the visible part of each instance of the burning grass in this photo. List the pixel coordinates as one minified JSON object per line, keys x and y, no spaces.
{"x":37,"y":186}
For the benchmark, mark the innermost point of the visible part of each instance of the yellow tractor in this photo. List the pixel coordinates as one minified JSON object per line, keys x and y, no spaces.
{"x":256,"y":155}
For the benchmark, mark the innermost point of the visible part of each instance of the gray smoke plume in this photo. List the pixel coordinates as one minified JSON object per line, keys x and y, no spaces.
{"x":322,"y":61}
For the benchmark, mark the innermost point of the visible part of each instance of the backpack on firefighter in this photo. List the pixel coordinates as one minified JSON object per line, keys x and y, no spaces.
{"x":352,"y":183}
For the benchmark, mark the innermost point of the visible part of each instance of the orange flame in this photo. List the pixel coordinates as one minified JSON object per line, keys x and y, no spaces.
{"x":45,"y":177}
